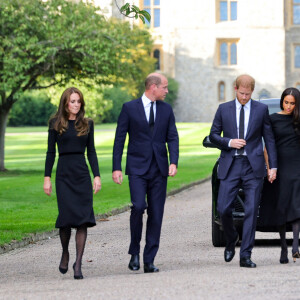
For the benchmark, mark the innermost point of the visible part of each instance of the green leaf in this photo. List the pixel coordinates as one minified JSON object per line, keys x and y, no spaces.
{"x":142,"y":18}
{"x":135,"y":8}
{"x":124,"y":7}
{"x":146,"y":15}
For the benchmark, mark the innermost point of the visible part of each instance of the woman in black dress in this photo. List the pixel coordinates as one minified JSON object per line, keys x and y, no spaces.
{"x":286,"y":128}
{"x":73,"y":133}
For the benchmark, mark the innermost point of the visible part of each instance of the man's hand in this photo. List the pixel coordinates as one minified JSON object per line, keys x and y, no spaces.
{"x":172,"y":170}
{"x":237,"y":143}
{"x":272,"y":174}
{"x":117,"y":177}
{"x":97,"y":184}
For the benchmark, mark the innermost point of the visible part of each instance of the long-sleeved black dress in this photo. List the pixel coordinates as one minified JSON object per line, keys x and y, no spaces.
{"x":73,"y":182}
{"x":281,"y":199}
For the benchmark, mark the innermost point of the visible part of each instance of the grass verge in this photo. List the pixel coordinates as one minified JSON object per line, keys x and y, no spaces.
{"x":25,"y":209}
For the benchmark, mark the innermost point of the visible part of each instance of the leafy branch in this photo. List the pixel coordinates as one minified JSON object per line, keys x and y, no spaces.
{"x":132,"y":11}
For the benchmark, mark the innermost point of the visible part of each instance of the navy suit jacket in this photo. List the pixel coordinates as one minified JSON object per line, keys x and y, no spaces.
{"x":142,"y":143}
{"x":259,"y":127}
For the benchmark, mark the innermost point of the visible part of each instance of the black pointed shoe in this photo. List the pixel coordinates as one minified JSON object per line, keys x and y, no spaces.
{"x":150,"y":268}
{"x":134,"y":263}
{"x":230,"y":252}
{"x":246,"y":262}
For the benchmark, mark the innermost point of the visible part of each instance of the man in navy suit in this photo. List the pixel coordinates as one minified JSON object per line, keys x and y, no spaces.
{"x":244,"y":123}
{"x":150,"y":124}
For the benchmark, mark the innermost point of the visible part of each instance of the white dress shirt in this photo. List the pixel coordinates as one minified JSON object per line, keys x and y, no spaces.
{"x":147,"y":104}
{"x":247,"y":108}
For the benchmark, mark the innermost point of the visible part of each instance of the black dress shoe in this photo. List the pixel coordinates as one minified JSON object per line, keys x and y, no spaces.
{"x":230,"y":252}
{"x":150,"y":268}
{"x":246,"y":262}
{"x":134,"y":263}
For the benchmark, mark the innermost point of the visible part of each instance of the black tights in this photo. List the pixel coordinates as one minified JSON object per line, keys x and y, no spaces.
{"x":80,"y":239}
{"x":282,"y":232}
{"x":295,"y":226}
{"x":65,"y":234}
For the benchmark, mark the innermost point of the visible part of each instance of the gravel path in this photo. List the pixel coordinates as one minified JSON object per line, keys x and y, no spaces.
{"x":190,"y":267}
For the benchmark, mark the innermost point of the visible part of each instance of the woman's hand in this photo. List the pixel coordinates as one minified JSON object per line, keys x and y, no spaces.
{"x":272,"y":174}
{"x":47,"y":185}
{"x":97,"y":184}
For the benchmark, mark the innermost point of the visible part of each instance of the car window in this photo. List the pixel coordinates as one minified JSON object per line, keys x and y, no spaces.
{"x":273,"y":104}
{"x":273,"y":108}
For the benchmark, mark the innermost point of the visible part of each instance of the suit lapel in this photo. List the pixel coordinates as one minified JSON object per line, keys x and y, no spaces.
{"x":142,"y":113}
{"x":252,"y":108}
{"x":233,"y":117}
{"x":157,"y":116}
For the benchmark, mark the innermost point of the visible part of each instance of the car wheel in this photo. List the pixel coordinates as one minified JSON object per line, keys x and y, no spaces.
{"x":218,"y":236}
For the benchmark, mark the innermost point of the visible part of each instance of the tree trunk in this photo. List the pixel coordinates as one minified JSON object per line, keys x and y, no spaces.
{"x":3,"y":122}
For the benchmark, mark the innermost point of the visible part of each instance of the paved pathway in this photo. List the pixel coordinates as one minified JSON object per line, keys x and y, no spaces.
{"x":191,"y":268}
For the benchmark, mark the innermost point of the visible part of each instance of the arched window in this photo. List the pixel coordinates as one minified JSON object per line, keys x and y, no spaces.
{"x":264,"y":94}
{"x":221,"y":91}
{"x":156,"y":55}
{"x":233,"y":90}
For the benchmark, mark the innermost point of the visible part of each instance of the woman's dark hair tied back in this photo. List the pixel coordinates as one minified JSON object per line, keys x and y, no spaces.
{"x":291,"y":91}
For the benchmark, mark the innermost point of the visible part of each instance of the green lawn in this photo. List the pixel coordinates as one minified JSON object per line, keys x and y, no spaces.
{"x":24,"y":208}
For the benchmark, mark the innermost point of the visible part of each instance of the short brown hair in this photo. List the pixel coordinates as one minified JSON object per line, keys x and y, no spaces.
{"x":245,"y":81}
{"x":152,"y":79}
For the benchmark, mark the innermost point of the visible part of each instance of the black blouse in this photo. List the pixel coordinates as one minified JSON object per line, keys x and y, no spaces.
{"x":68,"y":143}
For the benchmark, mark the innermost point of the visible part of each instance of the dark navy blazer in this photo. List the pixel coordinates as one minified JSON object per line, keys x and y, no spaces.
{"x":259,"y":127}
{"x":142,"y":143}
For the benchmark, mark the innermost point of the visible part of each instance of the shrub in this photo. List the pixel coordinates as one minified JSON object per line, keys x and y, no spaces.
{"x":118,"y":96}
{"x":32,"y":109}
{"x":173,"y":91}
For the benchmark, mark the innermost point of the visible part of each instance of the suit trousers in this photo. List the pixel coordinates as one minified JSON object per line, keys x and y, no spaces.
{"x":240,"y":173}
{"x":154,"y":186}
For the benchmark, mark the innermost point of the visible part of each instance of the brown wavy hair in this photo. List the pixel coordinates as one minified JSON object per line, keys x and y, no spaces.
{"x":59,"y":121}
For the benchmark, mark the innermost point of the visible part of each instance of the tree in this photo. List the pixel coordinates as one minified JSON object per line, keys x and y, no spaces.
{"x":47,"y":43}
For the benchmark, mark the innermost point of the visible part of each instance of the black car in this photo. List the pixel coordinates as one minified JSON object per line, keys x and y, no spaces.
{"x":218,"y":238}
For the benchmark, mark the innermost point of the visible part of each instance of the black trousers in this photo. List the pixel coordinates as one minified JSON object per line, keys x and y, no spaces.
{"x":154,"y":186}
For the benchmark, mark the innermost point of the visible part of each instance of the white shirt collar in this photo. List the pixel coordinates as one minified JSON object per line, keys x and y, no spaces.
{"x":239,"y":105}
{"x":146,"y":101}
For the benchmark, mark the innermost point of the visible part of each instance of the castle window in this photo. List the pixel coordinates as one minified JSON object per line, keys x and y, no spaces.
{"x":153,"y":8}
{"x":227,"y":52}
{"x":264,"y":94}
{"x":156,"y":55}
{"x":296,"y":12}
{"x":226,"y":10}
{"x":221,"y":91}
{"x":297,"y":56}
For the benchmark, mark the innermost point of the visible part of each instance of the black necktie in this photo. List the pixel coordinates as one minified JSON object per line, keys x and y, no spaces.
{"x":241,"y":129}
{"x":151,"y":117}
